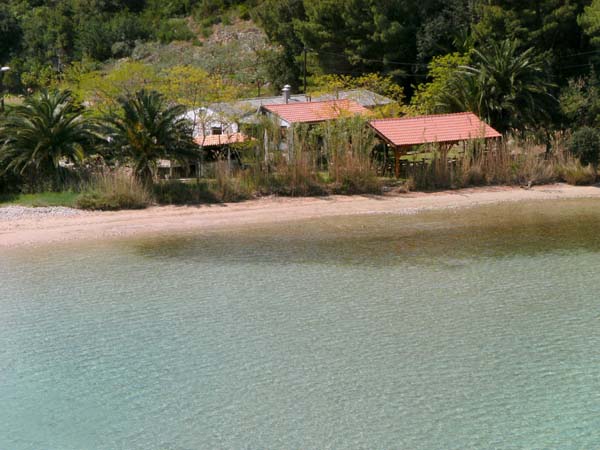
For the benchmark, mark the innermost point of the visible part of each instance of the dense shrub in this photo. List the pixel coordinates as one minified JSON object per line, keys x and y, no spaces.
{"x":293,"y":178}
{"x":519,"y":164}
{"x":585,"y":145}
{"x":113,"y":191}
{"x":180,"y":193}
{"x":230,"y":187}
{"x":225,"y":188}
{"x":174,"y":30}
{"x":576,"y":174}
{"x":356,"y":176}
{"x":10,"y":183}
{"x":474,"y":176}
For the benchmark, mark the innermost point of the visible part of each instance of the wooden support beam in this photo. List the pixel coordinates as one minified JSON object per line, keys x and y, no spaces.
{"x":397,"y":162}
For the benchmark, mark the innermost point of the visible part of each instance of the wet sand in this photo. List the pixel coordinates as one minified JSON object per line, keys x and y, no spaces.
{"x":29,"y":229}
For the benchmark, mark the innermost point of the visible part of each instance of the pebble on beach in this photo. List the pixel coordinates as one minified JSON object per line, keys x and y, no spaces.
{"x":22,"y":212}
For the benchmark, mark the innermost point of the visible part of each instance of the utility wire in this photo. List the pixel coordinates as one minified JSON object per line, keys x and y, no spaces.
{"x":581,"y":54}
{"x":426,"y":65}
{"x":574,"y":66}
{"x":398,"y":63}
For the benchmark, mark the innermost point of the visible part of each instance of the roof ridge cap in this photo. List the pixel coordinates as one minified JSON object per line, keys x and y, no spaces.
{"x":339,"y":100}
{"x":424,"y":116}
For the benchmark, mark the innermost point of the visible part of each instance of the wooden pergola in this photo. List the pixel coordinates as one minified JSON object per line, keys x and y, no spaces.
{"x":445,"y":130}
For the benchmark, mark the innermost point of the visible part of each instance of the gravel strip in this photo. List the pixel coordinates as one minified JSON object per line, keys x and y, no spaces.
{"x":23,"y":212}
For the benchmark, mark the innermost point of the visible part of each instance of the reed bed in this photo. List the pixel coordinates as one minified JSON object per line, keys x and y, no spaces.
{"x":518,"y":162}
{"x":113,"y":190}
{"x":341,"y":158}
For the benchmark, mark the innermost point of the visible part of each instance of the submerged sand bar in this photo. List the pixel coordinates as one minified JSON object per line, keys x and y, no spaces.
{"x":35,"y":228}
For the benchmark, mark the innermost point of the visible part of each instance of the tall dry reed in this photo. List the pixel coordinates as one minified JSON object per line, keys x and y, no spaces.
{"x":347,"y":145}
{"x":515,"y":162}
{"x":112,"y":190}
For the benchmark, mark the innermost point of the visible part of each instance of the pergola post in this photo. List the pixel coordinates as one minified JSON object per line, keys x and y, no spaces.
{"x":398,"y":152}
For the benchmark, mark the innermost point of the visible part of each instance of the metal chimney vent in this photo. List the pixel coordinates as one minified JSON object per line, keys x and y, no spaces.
{"x":286,"y":91}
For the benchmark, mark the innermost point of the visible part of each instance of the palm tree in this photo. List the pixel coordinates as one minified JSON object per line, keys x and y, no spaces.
{"x":48,"y":130}
{"x":508,"y":88}
{"x":148,"y":129}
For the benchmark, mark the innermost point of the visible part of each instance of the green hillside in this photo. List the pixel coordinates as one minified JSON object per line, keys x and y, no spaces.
{"x":254,"y":47}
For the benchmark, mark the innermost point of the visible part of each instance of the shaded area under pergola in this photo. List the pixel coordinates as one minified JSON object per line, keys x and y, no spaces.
{"x":444,"y":130}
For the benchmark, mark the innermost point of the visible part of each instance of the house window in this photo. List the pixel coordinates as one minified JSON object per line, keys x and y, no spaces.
{"x":216,"y":130}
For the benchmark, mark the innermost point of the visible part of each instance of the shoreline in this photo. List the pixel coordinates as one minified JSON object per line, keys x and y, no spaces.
{"x":40,"y":229}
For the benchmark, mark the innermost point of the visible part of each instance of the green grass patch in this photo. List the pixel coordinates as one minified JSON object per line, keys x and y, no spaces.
{"x":67,"y":198}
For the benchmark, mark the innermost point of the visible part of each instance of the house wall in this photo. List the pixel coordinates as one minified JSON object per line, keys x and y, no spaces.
{"x":282,"y":123}
{"x":205,"y":119}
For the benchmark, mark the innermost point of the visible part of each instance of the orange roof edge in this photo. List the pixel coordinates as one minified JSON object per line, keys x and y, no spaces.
{"x":312,"y":112}
{"x":437,"y":128}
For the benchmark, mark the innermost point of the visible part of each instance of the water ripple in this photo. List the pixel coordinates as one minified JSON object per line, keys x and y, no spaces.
{"x":419,"y":334}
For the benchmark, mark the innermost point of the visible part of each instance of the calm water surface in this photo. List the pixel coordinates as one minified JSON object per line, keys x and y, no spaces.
{"x":455,"y":330}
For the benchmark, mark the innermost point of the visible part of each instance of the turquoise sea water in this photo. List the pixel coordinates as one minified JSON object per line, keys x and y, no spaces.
{"x":452,"y":330}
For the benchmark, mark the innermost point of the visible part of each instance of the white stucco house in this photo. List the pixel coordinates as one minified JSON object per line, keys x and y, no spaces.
{"x":228,"y":117}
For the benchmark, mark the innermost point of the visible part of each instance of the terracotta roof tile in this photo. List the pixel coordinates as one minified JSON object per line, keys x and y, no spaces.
{"x":312,"y":112}
{"x":444,"y":128}
{"x":216,"y":140}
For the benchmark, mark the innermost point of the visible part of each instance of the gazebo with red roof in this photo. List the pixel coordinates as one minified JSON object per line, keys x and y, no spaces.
{"x":443,"y":129}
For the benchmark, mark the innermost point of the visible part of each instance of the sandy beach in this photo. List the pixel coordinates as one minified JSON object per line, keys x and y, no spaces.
{"x":33,"y":227}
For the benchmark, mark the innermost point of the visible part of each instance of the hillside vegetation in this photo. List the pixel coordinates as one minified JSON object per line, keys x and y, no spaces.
{"x":404,"y":39}
{"x":97,"y":85}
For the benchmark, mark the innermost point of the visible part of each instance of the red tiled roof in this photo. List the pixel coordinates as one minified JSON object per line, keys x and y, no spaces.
{"x":216,"y":140}
{"x":445,"y":128}
{"x":311,"y":112}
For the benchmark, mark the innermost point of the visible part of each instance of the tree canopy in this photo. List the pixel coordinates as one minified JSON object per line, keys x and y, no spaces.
{"x":409,"y":42}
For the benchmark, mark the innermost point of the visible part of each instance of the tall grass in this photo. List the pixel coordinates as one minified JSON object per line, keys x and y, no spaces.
{"x":333,"y":157}
{"x":518,"y":162}
{"x":337,"y":158}
{"x":348,"y":144}
{"x":573,"y":172}
{"x":176,"y":192}
{"x":113,"y":190}
{"x":229,"y":186}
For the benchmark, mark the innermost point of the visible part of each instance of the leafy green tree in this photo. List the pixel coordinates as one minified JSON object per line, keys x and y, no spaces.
{"x":363,"y":36}
{"x":48,"y":35}
{"x":442,"y":70}
{"x":354,"y":37}
{"x":585,"y":144}
{"x":373,"y":81}
{"x":507,"y":87}
{"x":10,"y":33}
{"x":105,"y":89}
{"x":97,"y":35}
{"x":194,"y":87}
{"x":549,"y":26}
{"x":47,"y":130}
{"x":589,"y":21}
{"x":148,"y":129}
{"x":94,"y":39}
{"x":443,"y":24}
{"x":580,"y":101}
{"x":276,"y":18}
{"x":545,"y":24}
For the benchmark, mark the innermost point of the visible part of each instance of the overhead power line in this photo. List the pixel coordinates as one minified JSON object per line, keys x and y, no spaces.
{"x":582,"y":54}
{"x":381,"y":61}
